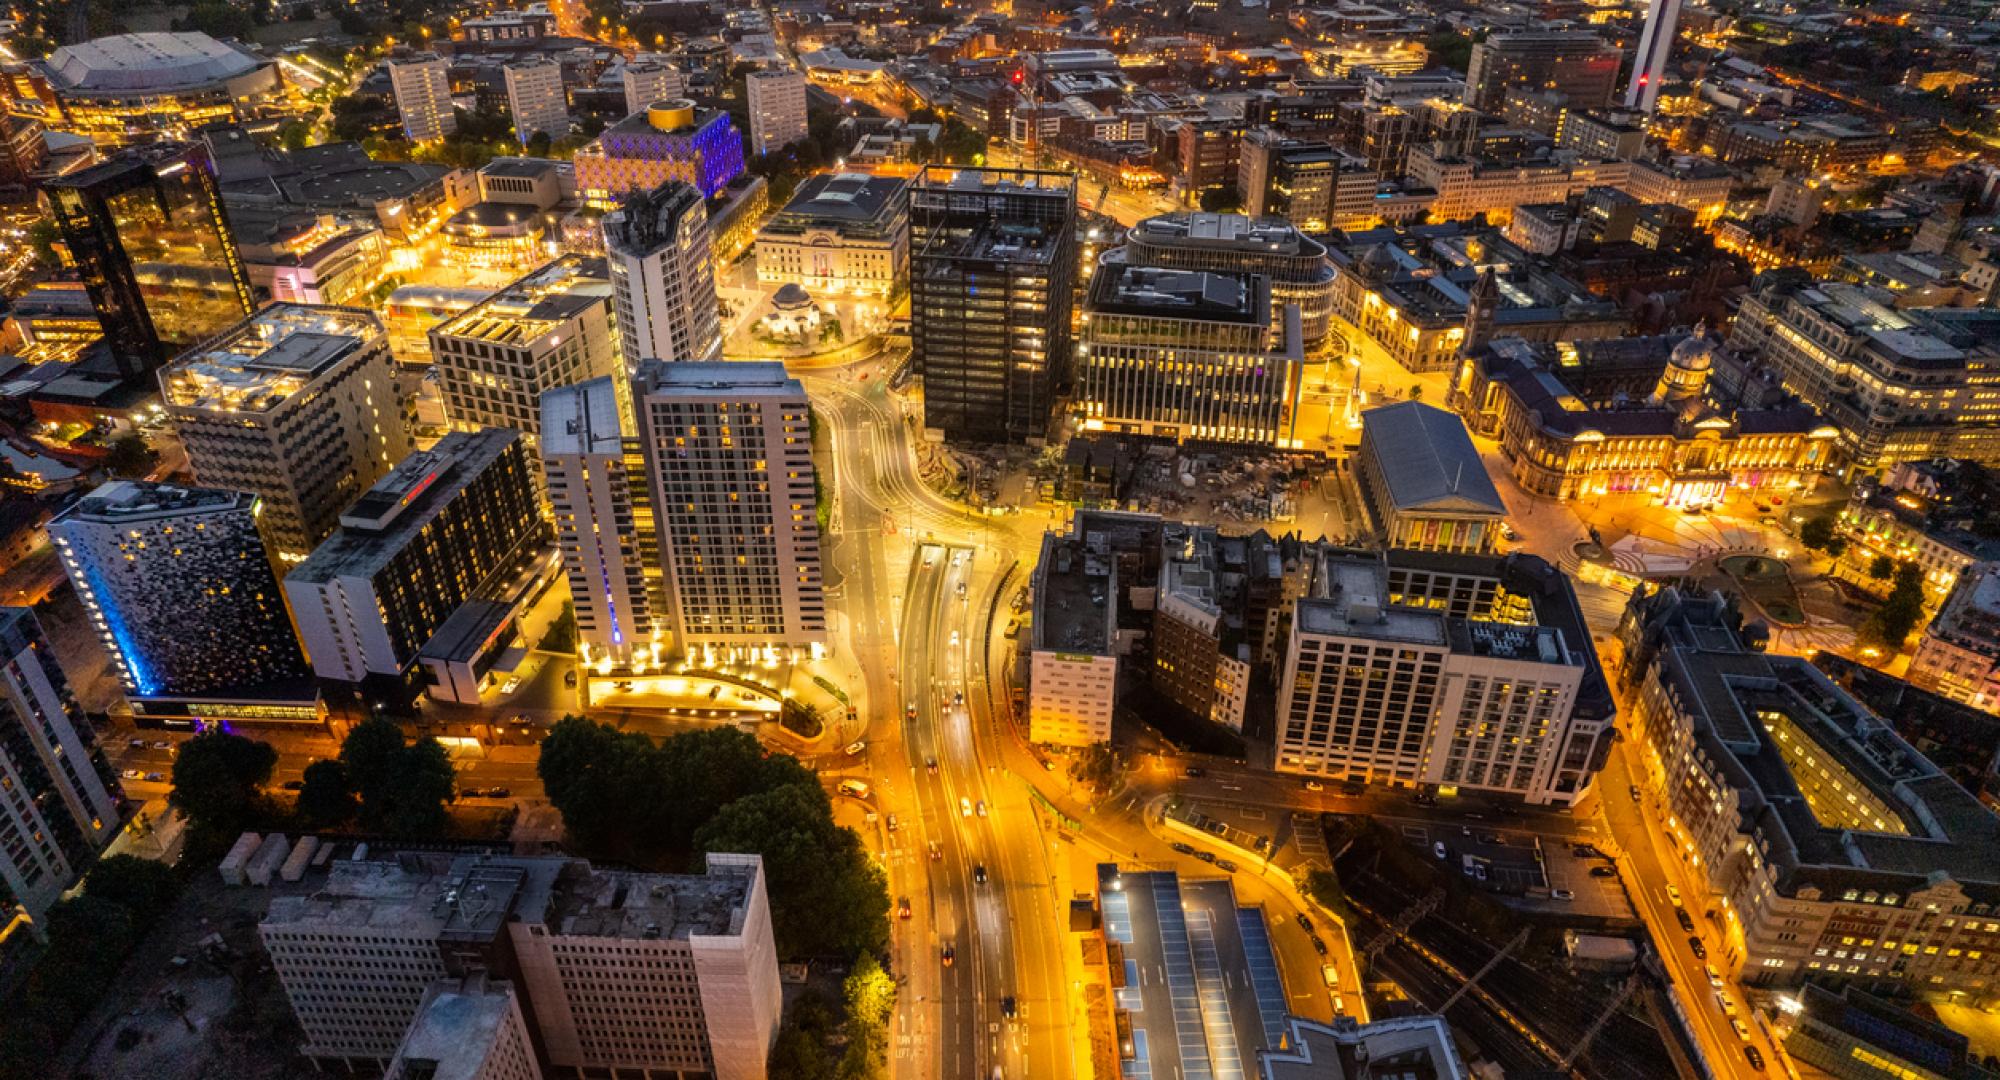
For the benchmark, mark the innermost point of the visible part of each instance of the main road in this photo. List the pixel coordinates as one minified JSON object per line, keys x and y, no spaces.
{"x":917,"y":581}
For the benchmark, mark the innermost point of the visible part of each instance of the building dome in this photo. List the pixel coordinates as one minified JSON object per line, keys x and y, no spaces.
{"x":1377,"y":262}
{"x":790,"y":297}
{"x":1694,"y":353}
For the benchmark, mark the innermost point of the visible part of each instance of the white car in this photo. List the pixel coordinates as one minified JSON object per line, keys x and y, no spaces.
{"x":1714,"y":976}
{"x":511,"y":685}
{"x":1742,"y":1030}
{"x":855,"y":748}
{"x":954,"y":637}
{"x":964,"y":806}
{"x":981,"y":807}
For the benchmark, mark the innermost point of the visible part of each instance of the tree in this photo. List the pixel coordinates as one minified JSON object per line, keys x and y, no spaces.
{"x":144,"y":888}
{"x":801,"y":1047}
{"x":539,"y":143}
{"x":327,"y":800}
{"x":218,"y":779}
{"x":295,"y":134}
{"x":1096,"y":766}
{"x":960,"y":144}
{"x":403,"y":788}
{"x":870,"y":996}
{"x":1817,"y":533}
{"x":561,"y":634}
{"x":592,"y":774}
{"x":1891,"y":623}
{"x":128,"y":455}
{"x":1449,"y":49}
{"x":1881,"y":568}
{"x":43,"y":236}
{"x":1222,"y":200}
{"x":827,"y":896}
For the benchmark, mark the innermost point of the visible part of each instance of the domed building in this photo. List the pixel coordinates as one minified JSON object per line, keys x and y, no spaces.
{"x":134,"y":88}
{"x":1633,"y":415}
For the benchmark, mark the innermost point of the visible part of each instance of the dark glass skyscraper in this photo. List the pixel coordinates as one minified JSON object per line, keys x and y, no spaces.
{"x":992,"y":262}
{"x":148,"y":233}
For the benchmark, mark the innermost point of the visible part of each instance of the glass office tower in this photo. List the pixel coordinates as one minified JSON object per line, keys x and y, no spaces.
{"x":149,"y":236}
{"x":992,"y":262}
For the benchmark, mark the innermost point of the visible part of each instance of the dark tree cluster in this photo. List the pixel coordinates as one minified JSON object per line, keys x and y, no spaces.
{"x":625,"y":799}
{"x":89,"y":936}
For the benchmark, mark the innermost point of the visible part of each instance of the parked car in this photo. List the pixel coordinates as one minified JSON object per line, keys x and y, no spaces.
{"x":1183,"y":849}
{"x":1314,"y":785}
{"x":1603,"y":871}
{"x":1205,"y":856}
{"x":294,"y":785}
{"x":1754,"y":1056}
{"x":1305,"y":922}
{"x":1225,"y":866}
{"x":1742,"y":1030}
{"x":157,"y":778}
{"x":136,"y":744}
{"x":1714,"y":976}
{"x":1437,"y":849}
{"x":1674,"y":895}
{"x":1687,"y":922}
{"x":498,"y":793}
{"x":855,"y":748}
{"x":1561,"y":894}
{"x":1319,"y":944}
{"x":1695,"y":946}
{"x":131,"y":774}
{"x":856,"y":788}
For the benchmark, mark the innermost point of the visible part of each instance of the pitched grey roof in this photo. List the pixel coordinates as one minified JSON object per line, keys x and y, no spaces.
{"x":1427,"y":459}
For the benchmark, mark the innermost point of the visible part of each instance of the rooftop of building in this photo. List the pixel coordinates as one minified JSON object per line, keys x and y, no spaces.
{"x":842,"y":198}
{"x":1399,"y":1048}
{"x":472,"y":897}
{"x":1203,"y":295}
{"x":1192,"y":935}
{"x":454,"y":1031}
{"x":388,"y":515}
{"x":1354,"y":602}
{"x":1237,"y":232}
{"x":581,"y":419}
{"x":263,"y":361}
{"x":709,"y":378}
{"x":148,"y":63}
{"x":134,"y":501}
{"x":1077,"y":584}
{"x":1427,"y":461}
{"x":1902,"y":826}
{"x":535,"y":304}
{"x":1970,"y":616}
{"x":1919,"y":338}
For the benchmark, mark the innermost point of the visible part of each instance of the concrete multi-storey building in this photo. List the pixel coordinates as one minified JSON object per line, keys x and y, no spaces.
{"x":457,"y":522}
{"x":992,"y":261}
{"x":1189,"y":355}
{"x":841,"y":233}
{"x":469,"y":1028}
{"x":1692,"y":183}
{"x":297,"y":404}
{"x":536,"y":98}
{"x":1295,"y":264}
{"x":1898,"y":384}
{"x":178,"y":586}
{"x":1577,"y":63}
{"x":618,"y":972}
{"x":1384,"y":682}
{"x":660,"y":253}
{"x":777,"y":108}
{"x":669,"y":141}
{"x":422,"y":88}
{"x":58,"y":801}
{"x":1832,"y":850}
{"x":551,"y":328}
{"x":599,"y":488}
{"x":728,"y":450}
{"x":646,"y":80}
{"x":1078,"y":635}
{"x":1217,"y":598}
{"x":1958,"y":656}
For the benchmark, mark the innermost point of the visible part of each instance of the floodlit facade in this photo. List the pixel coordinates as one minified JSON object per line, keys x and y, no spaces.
{"x":669,"y":141}
{"x":296,"y":404}
{"x":134,"y":88}
{"x":1073,"y":658}
{"x":58,"y":802}
{"x":841,"y":233}
{"x":660,"y":254}
{"x":552,"y":327}
{"x":422,"y":88}
{"x":178,"y":586}
{"x":1294,"y":263}
{"x":599,"y":488}
{"x":728,"y":447}
{"x":777,"y":108}
{"x":1422,"y":482}
{"x":1831,"y":848}
{"x":1443,"y":672}
{"x":1958,"y":655}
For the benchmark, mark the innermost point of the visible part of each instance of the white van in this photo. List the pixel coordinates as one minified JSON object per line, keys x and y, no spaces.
{"x":856,"y":788}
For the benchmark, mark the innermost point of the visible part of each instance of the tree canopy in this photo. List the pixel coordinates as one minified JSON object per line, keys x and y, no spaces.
{"x":626,"y":799}
{"x":327,"y":800}
{"x":403,"y":787}
{"x":218,"y":781}
{"x":1891,"y":623}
